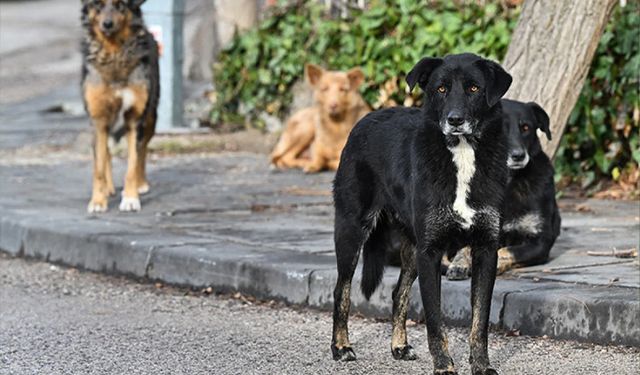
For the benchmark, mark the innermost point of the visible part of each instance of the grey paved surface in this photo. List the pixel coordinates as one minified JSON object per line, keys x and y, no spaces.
{"x":55,"y":320}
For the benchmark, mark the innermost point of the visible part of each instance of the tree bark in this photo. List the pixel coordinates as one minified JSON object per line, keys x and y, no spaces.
{"x":550,"y":54}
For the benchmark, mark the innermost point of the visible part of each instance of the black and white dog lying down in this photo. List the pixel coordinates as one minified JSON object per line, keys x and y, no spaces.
{"x":531,"y":217}
{"x":438,"y":177}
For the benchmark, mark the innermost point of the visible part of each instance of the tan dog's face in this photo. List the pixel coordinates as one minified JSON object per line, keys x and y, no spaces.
{"x":110,"y":17}
{"x":335,"y":92}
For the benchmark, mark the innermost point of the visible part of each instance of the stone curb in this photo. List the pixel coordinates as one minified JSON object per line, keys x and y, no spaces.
{"x":604,"y":315}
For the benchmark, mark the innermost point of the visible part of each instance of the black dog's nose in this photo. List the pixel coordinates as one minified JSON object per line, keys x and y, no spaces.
{"x":518,"y":155}
{"x":107,"y":24}
{"x":455,"y":119}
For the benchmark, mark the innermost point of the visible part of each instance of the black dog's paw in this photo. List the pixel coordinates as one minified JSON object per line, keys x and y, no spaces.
{"x":405,"y":353}
{"x":487,"y":371}
{"x":458,"y":272}
{"x":344,"y":354}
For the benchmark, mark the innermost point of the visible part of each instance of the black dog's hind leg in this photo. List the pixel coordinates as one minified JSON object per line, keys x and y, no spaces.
{"x":483,"y":276}
{"x":400,"y":349}
{"x":460,"y":267}
{"x":349,"y":238}
{"x":429,"y":279}
{"x":523,"y":255}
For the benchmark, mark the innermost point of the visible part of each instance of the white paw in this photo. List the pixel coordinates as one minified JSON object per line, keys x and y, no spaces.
{"x":93,"y":208}
{"x":128,"y":204}
{"x":144,"y":189}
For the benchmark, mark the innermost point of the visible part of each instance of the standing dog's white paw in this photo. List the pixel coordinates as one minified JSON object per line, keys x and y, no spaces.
{"x":128,"y":204}
{"x":94,"y":208}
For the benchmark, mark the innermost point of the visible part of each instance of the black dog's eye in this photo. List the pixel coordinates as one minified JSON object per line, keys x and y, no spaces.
{"x":524,"y":128}
{"x":473,"y":88}
{"x":120,"y":6}
{"x":442,"y":89}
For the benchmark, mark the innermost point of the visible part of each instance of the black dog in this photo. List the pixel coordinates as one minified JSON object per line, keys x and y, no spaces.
{"x":438,"y":176}
{"x":531,"y":217}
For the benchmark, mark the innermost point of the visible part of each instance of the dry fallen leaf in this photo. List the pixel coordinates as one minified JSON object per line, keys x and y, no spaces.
{"x":583,"y":207}
{"x":513,"y":333}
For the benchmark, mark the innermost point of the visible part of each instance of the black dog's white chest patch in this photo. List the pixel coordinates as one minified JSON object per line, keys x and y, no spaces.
{"x":464,"y":158}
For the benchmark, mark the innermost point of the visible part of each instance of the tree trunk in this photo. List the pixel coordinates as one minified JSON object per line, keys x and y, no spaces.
{"x":550,"y":54}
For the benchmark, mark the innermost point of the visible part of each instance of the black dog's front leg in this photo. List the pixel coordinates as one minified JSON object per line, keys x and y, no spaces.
{"x":483,"y":276}
{"x":429,"y":278}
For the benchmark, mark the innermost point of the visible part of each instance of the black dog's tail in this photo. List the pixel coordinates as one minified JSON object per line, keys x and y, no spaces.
{"x":149,"y":44}
{"x":373,"y":259}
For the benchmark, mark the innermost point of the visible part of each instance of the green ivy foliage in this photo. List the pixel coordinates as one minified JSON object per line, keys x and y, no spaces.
{"x":601,"y":138}
{"x":256,"y":72}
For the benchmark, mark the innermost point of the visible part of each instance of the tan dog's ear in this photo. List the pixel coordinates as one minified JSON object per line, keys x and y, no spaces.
{"x":356,"y":78}
{"x":313,"y":73}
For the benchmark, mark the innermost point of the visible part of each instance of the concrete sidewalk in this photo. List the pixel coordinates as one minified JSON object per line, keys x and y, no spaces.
{"x":227,"y":221}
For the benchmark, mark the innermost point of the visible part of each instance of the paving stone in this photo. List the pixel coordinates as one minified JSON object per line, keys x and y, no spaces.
{"x":619,"y":272}
{"x":595,"y":314}
{"x":228,"y":266}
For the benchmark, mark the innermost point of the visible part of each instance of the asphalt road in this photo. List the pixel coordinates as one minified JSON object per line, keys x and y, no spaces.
{"x":55,"y":320}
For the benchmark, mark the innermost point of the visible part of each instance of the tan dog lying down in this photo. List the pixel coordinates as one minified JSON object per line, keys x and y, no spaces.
{"x":324,"y":127}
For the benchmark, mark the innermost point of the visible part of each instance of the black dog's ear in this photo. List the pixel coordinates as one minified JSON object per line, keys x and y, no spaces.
{"x":136,"y":3}
{"x":497,"y":79}
{"x":541,"y":117}
{"x":421,"y":71}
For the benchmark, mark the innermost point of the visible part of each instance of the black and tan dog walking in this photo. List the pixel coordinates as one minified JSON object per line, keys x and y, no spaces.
{"x":120,"y":87}
{"x":438,"y":176}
